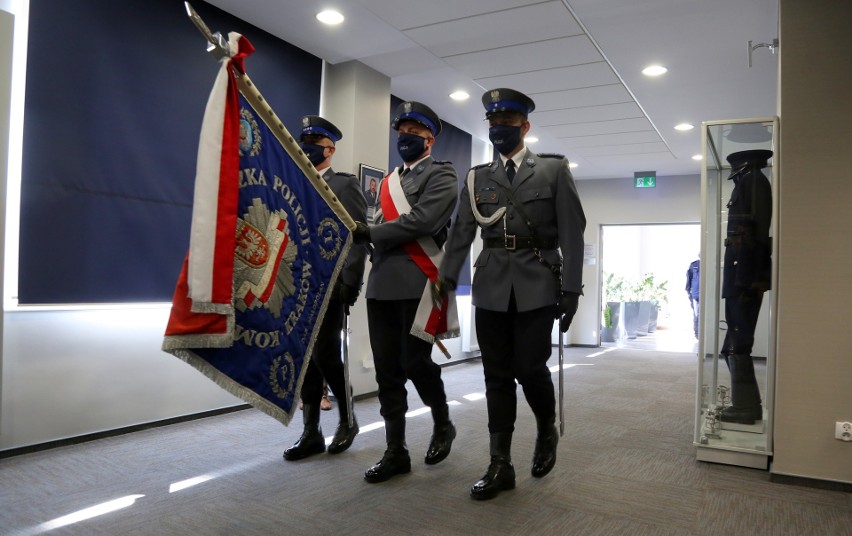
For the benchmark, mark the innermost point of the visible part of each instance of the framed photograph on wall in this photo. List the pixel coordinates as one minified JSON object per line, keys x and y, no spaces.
{"x":370,"y":179}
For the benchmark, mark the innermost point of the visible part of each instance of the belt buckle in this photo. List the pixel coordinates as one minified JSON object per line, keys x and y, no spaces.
{"x":510,"y":242}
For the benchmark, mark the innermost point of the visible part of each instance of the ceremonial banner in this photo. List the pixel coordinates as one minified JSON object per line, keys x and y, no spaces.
{"x":265,"y":250}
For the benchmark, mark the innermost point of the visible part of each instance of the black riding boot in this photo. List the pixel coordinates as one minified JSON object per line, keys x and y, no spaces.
{"x":500,"y":475}
{"x":345,"y":434}
{"x":745,"y":405}
{"x":443,"y":434}
{"x":395,"y":460}
{"x":311,"y":441}
{"x":544,"y":456}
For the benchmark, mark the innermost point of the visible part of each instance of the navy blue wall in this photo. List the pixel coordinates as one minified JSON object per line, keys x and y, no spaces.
{"x":115,"y":96}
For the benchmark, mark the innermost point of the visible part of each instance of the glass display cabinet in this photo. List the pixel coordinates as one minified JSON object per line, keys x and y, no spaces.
{"x":736,"y":347}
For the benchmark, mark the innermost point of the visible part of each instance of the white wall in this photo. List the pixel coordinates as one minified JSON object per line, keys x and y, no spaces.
{"x":814,"y":365}
{"x":7,"y":26}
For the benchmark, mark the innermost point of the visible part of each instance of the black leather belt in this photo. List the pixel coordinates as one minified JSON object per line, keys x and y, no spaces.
{"x":513,"y":242}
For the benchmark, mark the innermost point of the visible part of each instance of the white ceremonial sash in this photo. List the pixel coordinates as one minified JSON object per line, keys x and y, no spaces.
{"x":430,"y":322}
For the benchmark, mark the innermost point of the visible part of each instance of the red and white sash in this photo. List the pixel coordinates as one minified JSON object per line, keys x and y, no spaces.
{"x":430,"y":322}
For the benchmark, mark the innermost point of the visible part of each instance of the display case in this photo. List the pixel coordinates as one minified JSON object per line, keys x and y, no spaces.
{"x":736,"y":346}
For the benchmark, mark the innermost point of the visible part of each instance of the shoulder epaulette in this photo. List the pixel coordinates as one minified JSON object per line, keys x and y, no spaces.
{"x":347,"y":174}
{"x":480,"y":166}
{"x":442,"y":162}
{"x":550,"y":155}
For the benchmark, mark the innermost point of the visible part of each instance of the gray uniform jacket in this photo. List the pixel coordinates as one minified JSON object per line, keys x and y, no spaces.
{"x":348,"y":190}
{"x":545,"y":188}
{"x":431,"y":188}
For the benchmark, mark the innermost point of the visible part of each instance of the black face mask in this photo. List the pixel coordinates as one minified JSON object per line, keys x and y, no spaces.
{"x":315,"y":153}
{"x":410,"y":146}
{"x":504,"y":137}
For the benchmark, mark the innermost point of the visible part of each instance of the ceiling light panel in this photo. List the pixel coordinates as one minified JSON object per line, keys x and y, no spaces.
{"x":535,"y":56}
{"x":539,"y":22}
{"x":578,"y":76}
{"x":435,"y":11}
{"x":578,"y":98}
{"x":606,"y":112}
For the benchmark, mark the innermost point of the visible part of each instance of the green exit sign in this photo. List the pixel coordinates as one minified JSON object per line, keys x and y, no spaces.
{"x":645,"y":179}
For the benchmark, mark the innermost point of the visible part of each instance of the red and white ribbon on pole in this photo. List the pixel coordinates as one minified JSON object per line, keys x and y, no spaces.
{"x":214,"y":214}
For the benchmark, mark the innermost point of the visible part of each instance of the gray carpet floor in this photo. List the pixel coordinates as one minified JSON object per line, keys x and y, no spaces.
{"x":626,"y":465}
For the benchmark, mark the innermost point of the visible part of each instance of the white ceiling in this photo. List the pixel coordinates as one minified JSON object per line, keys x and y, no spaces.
{"x":580,"y":60}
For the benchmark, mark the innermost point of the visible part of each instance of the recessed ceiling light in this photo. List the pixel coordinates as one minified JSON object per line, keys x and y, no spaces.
{"x":684,"y":127}
{"x":654,"y":70}
{"x":697,"y":157}
{"x":572,"y":165}
{"x":330,"y":16}
{"x":530,"y":139}
{"x":459,"y":95}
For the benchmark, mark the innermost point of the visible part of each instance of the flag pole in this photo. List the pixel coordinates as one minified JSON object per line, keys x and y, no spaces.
{"x":218,"y":46}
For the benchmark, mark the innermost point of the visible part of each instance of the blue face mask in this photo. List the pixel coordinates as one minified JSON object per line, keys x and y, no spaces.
{"x":505,"y":138}
{"x":410,"y":147}
{"x":315,"y":153}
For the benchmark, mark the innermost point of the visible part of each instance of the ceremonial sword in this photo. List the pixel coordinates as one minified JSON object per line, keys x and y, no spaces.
{"x":346,"y":365}
{"x":561,"y":389}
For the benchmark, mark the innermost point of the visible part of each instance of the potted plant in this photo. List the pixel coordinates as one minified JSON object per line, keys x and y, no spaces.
{"x":659,"y":297}
{"x":613,"y":295}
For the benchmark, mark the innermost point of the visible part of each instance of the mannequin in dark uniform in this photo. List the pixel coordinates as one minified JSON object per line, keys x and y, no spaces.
{"x":746,"y":275}
{"x":528,"y":273}
{"x":318,"y":141}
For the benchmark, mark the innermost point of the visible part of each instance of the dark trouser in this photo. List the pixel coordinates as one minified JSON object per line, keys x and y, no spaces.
{"x":516,"y":345}
{"x":326,"y":361}
{"x":741,"y":313}
{"x":400,"y":356}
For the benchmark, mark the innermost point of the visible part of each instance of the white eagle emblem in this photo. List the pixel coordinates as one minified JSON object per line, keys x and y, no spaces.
{"x":263,"y":260}
{"x":407,"y":107}
{"x":495,"y":95}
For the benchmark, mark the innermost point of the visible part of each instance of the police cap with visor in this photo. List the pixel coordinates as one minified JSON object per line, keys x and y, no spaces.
{"x":758,"y":157}
{"x":419,"y":112}
{"x":314,"y":125}
{"x":506,"y":100}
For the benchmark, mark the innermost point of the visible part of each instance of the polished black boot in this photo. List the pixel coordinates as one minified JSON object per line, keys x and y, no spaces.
{"x":544,"y":456}
{"x":312,"y":441}
{"x":443,"y":434}
{"x":395,"y":460}
{"x":344,"y":436}
{"x":500,"y":475}
{"x":745,"y":405}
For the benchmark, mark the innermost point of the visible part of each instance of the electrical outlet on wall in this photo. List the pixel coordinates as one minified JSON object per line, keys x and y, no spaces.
{"x":843,"y":431}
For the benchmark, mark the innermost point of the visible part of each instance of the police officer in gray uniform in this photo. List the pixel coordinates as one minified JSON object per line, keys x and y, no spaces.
{"x":396,"y":285}
{"x":318,"y":139}
{"x":745,"y":277}
{"x":528,"y":210}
